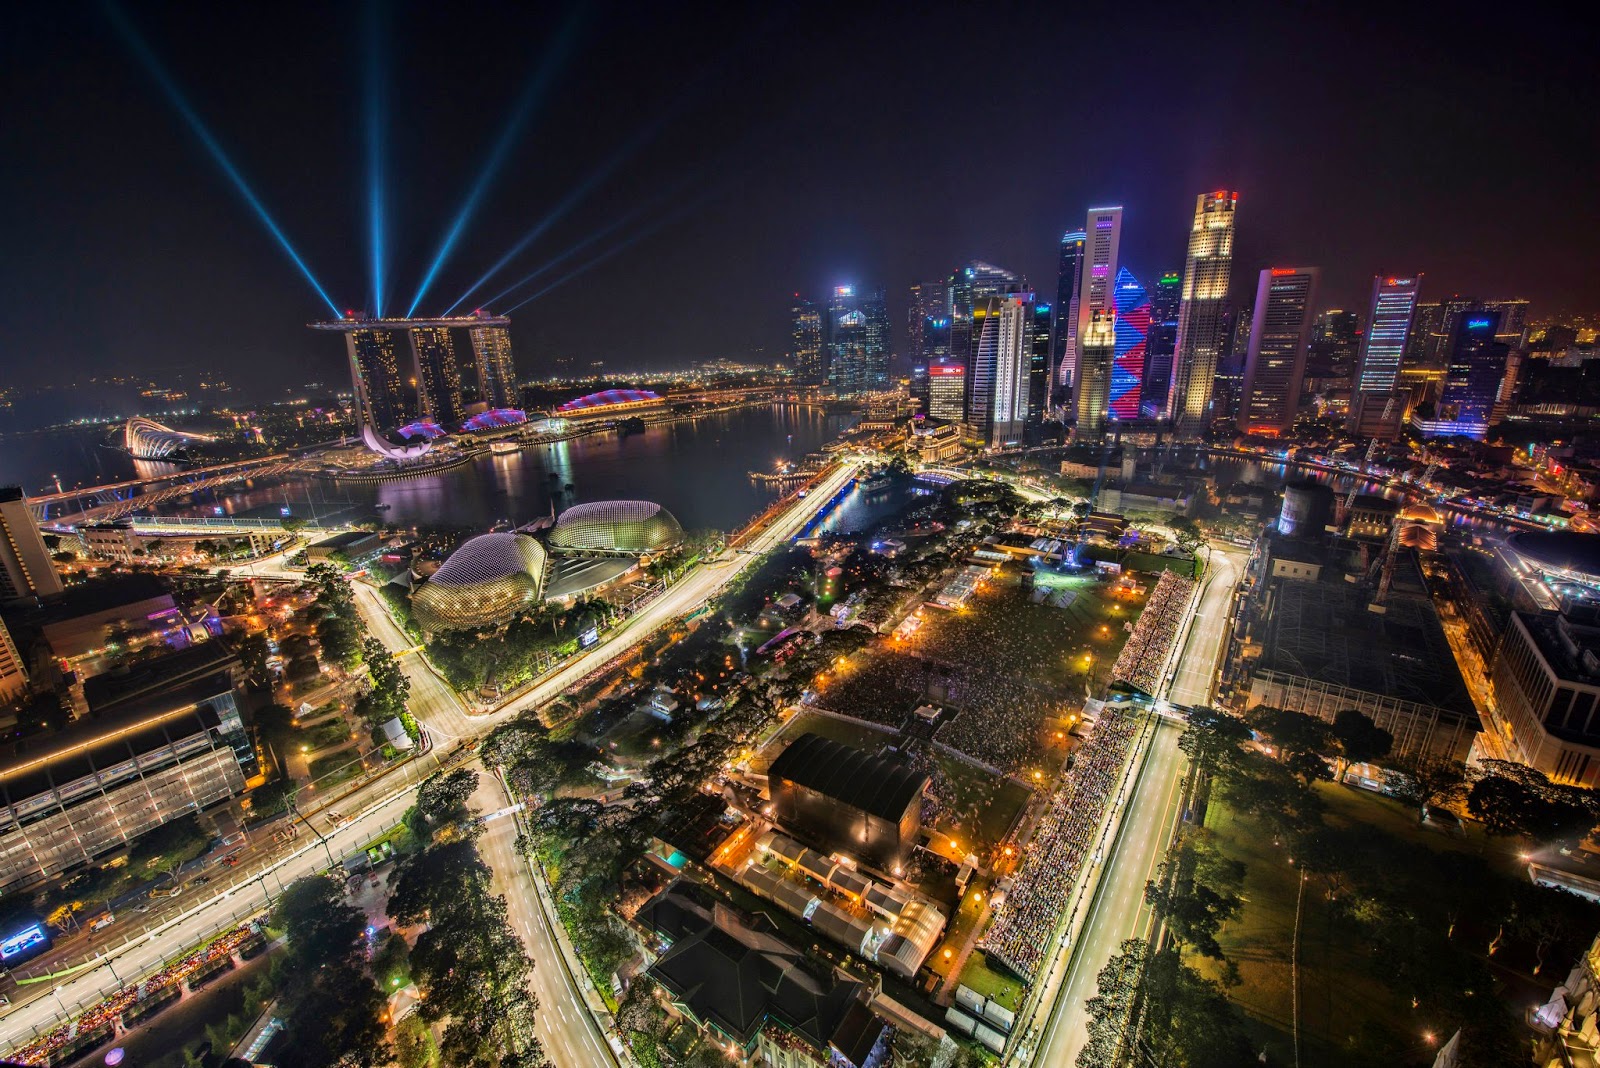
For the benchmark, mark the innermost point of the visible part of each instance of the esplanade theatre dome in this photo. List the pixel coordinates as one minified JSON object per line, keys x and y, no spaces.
{"x":485,"y":582}
{"x":615,"y":527}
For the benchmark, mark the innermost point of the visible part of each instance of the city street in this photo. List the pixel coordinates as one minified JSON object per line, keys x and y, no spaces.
{"x":570,"y":1035}
{"x":1117,"y":910}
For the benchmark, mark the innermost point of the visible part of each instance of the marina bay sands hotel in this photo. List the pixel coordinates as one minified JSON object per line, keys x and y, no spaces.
{"x":383,"y":399}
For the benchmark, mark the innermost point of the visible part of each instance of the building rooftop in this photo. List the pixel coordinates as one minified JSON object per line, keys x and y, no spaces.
{"x":735,"y":978}
{"x":340,"y":541}
{"x":1559,"y":550}
{"x":1327,"y":632}
{"x":158,"y":677}
{"x":1571,"y":649}
{"x":859,"y":779}
{"x":104,"y":595}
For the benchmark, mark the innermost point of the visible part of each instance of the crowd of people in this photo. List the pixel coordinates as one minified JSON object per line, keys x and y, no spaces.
{"x":1145,"y":654}
{"x":45,"y":1048}
{"x":1026,"y":920}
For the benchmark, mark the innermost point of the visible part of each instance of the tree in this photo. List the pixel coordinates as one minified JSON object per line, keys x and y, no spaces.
{"x":1428,"y":781}
{"x":319,"y":926}
{"x":253,"y":652}
{"x":1115,"y":989}
{"x":340,"y":641}
{"x":1358,"y":740}
{"x":443,"y":795}
{"x":1212,"y":738}
{"x":1300,"y":738}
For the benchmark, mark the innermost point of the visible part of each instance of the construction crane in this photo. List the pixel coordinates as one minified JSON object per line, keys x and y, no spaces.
{"x":1386,"y":576}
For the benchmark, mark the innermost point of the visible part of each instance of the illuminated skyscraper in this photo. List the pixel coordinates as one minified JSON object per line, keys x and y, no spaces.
{"x":1132,"y":329}
{"x":969,"y":287}
{"x":1473,"y":378}
{"x":497,"y":375}
{"x":1097,"y":343}
{"x":997,"y":375}
{"x":1040,"y":324}
{"x":1161,"y":341}
{"x":1383,"y":349}
{"x":1513,"y":320}
{"x":930,"y":303}
{"x":857,"y":341}
{"x":438,"y":377}
{"x":1202,"y":314}
{"x":375,"y":376}
{"x":1102,"y":241}
{"x":1064,"y":331}
{"x":808,"y":355}
{"x":947,"y":391}
{"x":1275,"y":369}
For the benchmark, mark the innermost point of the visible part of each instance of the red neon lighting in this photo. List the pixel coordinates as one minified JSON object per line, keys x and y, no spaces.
{"x":947,"y":370}
{"x":1278,"y":272}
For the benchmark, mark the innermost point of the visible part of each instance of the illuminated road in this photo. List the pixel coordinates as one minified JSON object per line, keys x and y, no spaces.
{"x":198,"y":921}
{"x":568,"y":1031}
{"x":1117,"y":910}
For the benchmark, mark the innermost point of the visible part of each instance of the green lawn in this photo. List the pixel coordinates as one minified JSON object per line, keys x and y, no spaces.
{"x":1338,"y":996}
{"x":998,"y":801}
{"x":979,"y":977}
{"x":835,"y":730}
{"x":1350,"y":805}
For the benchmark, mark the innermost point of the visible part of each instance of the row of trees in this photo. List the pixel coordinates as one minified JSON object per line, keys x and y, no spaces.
{"x":333,"y":1007}
{"x":470,"y":964}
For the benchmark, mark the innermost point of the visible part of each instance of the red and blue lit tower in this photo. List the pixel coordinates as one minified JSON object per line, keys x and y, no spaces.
{"x":1127,"y":359}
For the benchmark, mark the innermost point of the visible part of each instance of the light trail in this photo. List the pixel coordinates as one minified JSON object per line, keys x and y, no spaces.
{"x":153,"y":66}
{"x":549,"y":66}
{"x":377,"y":126}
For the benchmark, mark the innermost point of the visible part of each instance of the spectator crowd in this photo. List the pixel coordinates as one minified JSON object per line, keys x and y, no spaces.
{"x":1145,"y":654}
{"x":1025,"y":921}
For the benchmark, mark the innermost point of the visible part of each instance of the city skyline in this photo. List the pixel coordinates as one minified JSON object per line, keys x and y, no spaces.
{"x":784,"y":224}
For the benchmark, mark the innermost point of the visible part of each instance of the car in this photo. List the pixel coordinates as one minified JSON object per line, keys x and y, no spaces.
{"x":200,"y":881}
{"x":231,"y":860}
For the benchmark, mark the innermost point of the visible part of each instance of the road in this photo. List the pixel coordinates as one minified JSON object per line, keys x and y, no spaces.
{"x":1117,"y":910}
{"x":198,"y":922}
{"x":566,"y":1028}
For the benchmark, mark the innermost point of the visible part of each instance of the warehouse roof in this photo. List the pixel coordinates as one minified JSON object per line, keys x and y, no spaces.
{"x":859,"y":779}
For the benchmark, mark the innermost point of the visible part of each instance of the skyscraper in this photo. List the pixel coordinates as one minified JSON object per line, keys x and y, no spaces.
{"x":1097,"y":343}
{"x":1132,"y":328}
{"x":26,"y":573}
{"x":497,"y":375}
{"x":930,"y":303}
{"x":1426,"y":321}
{"x":857,"y":341}
{"x":1202,"y":313}
{"x":1160,"y":343}
{"x":997,"y":374}
{"x":438,"y":377}
{"x":375,"y":376}
{"x":1513,"y":320}
{"x":969,"y":287}
{"x":947,"y":391}
{"x":1275,"y":369}
{"x":1041,"y":323}
{"x":1473,"y":378}
{"x":1383,"y":349}
{"x":1103,"y":239}
{"x":1064,"y":330}
{"x":807,"y":355}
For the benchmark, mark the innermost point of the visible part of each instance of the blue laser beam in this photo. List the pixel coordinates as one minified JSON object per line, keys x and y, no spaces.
{"x":376,"y":129}
{"x":549,"y":66}
{"x":629,"y":148}
{"x":614,"y":250}
{"x":549,"y":265}
{"x":153,"y":66}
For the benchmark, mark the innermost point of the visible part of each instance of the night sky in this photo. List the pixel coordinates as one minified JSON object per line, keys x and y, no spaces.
{"x":754,"y":155}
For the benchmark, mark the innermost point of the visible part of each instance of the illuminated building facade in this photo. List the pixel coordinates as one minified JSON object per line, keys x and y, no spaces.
{"x":947,"y":391}
{"x":164,"y":740}
{"x":997,"y":372}
{"x":857,"y":341}
{"x":1383,"y":350}
{"x":1275,"y":369}
{"x":497,"y":374}
{"x":970,"y":286}
{"x":1202,"y":313}
{"x":13,"y":673}
{"x":1099,"y":271}
{"x":807,"y":355}
{"x":1092,"y":394}
{"x":1473,"y":378}
{"x":1161,"y":342}
{"x":1064,"y":330}
{"x":438,"y":376}
{"x":375,"y":376}
{"x":484,"y":583}
{"x":26,"y":571}
{"x":628,"y":527}
{"x":1131,"y":329}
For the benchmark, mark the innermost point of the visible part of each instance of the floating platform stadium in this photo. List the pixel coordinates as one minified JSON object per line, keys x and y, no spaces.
{"x":146,"y":439}
{"x":492,"y":578}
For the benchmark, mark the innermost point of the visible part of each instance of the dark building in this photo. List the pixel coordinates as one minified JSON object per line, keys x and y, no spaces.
{"x":807,"y":354}
{"x":1280,"y":334}
{"x":1064,"y":331}
{"x":1161,"y":342}
{"x":1039,"y":340}
{"x":846,"y":800}
{"x":759,"y":998}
